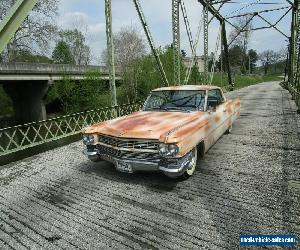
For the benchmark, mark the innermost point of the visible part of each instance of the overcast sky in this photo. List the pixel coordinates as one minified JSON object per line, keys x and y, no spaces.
{"x":90,"y":14}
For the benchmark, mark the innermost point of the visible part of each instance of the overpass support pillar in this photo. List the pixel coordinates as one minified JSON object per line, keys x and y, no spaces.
{"x":28,"y":100}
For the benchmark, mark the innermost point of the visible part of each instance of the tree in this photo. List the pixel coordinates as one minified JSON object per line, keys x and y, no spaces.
{"x":252,"y":58}
{"x":27,"y":56}
{"x":267,"y":58}
{"x":35,"y":32}
{"x":148,"y":76}
{"x":76,"y":41}
{"x":62,"y":54}
{"x":195,"y":75}
{"x":236,"y":55}
{"x":130,"y":47}
{"x":242,"y":39}
{"x":75,"y":96}
{"x":235,"y":58}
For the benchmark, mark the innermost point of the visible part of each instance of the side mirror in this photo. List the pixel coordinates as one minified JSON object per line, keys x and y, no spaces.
{"x":211,"y":109}
{"x":212,"y":105}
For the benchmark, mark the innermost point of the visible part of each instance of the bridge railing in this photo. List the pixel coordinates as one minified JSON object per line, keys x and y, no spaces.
{"x":21,"y":137}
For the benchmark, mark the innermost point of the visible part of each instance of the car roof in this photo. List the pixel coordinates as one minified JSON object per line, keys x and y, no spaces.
{"x":188,"y":87}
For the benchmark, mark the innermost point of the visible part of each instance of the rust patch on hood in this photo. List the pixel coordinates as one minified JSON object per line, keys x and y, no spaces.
{"x":144,"y":124}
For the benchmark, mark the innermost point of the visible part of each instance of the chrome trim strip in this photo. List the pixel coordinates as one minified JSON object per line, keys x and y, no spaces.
{"x":89,"y":153}
{"x":113,"y":160}
{"x":128,"y":149}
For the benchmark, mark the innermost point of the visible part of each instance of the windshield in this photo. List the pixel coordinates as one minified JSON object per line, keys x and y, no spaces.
{"x":180,"y":100}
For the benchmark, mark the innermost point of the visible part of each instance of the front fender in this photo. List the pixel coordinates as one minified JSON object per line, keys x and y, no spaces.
{"x":189,"y":136}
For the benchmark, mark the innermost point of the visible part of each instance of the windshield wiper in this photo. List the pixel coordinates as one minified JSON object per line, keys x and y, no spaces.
{"x":155,"y":108}
{"x":177,"y":109}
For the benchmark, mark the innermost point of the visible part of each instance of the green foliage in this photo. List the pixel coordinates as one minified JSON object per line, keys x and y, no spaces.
{"x":242,"y":81}
{"x":252,"y":57}
{"x":76,"y":42}
{"x":62,"y":53}
{"x":239,"y":60}
{"x":275,"y":68}
{"x":76,"y":96}
{"x":5,"y":103}
{"x":196,"y":76}
{"x":27,"y":56}
{"x":148,"y":76}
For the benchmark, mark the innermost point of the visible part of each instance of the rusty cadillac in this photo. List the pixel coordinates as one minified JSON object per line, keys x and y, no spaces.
{"x":176,"y":126}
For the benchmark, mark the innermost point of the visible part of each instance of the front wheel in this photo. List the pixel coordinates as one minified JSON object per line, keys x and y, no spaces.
{"x":192,"y":165}
{"x":228,"y":131}
{"x":94,"y":158}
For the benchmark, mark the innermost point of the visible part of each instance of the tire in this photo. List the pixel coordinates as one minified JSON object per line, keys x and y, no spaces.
{"x":94,"y":158}
{"x":228,"y":131}
{"x":201,"y":150}
{"x":193,"y":163}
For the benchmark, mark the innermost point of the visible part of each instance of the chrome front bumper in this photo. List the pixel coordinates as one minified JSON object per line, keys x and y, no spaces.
{"x":175,"y":167}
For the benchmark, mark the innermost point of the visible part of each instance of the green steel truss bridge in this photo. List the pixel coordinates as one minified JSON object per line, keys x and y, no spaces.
{"x":247,"y":183}
{"x":35,"y":133}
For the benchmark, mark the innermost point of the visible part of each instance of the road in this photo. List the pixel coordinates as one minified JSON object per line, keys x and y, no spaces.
{"x":247,"y":183}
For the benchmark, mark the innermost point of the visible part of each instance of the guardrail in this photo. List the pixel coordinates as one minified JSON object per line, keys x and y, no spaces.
{"x":17,"y":138}
{"x":295,"y":94}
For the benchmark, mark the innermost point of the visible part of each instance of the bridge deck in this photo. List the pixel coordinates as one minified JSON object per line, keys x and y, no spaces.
{"x":59,"y":199}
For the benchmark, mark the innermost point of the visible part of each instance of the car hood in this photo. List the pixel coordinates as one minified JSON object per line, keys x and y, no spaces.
{"x":144,"y":124}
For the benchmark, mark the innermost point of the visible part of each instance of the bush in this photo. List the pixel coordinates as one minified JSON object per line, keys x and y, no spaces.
{"x":76,"y":96}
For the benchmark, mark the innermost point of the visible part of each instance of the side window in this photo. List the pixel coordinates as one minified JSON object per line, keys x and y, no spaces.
{"x":219,"y":95}
{"x":214,"y":98}
{"x":215,"y":94}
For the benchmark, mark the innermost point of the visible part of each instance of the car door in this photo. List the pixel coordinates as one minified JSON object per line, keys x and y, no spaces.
{"x":219,"y":113}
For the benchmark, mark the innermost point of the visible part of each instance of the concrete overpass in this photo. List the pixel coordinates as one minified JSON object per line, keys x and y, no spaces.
{"x":27,"y":84}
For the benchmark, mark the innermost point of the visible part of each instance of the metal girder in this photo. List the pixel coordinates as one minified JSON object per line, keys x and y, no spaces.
{"x":187,"y":25}
{"x":13,"y":20}
{"x":226,"y":53}
{"x":207,"y":4}
{"x":212,"y":18}
{"x":293,"y":42}
{"x":241,"y":30}
{"x":150,"y":41}
{"x":297,"y":55}
{"x":176,"y":40}
{"x":212,"y":9}
{"x":205,"y":36}
{"x":294,"y":58}
{"x":110,"y":52}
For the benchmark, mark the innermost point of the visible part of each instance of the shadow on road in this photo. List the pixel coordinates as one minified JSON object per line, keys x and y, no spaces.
{"x":229,"y":214}
{"x":152,"y":180}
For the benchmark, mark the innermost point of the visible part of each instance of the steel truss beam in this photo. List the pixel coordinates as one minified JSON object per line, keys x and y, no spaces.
{"x":205,"y":36}
{"x":226,"y":53}
{"x":110,"y":52}
{"x":176,"y":40}
{"x":258,"y":12}
{"x":294,"y":57}
{"x":187,"y":25}
{"x":254,"y":14}
{"x":221,"y":19}
{"x":13,"y":20}
{"x":150,"y":41}
{"x":207,"y":8}
{"x":242,"y":29}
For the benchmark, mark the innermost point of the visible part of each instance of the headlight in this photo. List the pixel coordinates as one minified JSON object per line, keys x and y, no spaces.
{"x":88,"y":139}
{"x":168,"y":149}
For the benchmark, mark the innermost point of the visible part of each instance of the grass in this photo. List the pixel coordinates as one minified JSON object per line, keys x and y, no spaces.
{"x":242,"y":81}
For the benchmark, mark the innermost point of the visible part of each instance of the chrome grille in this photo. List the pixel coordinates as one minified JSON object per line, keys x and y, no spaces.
{"x":129,"y":155}
{"x":128,"y":143}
